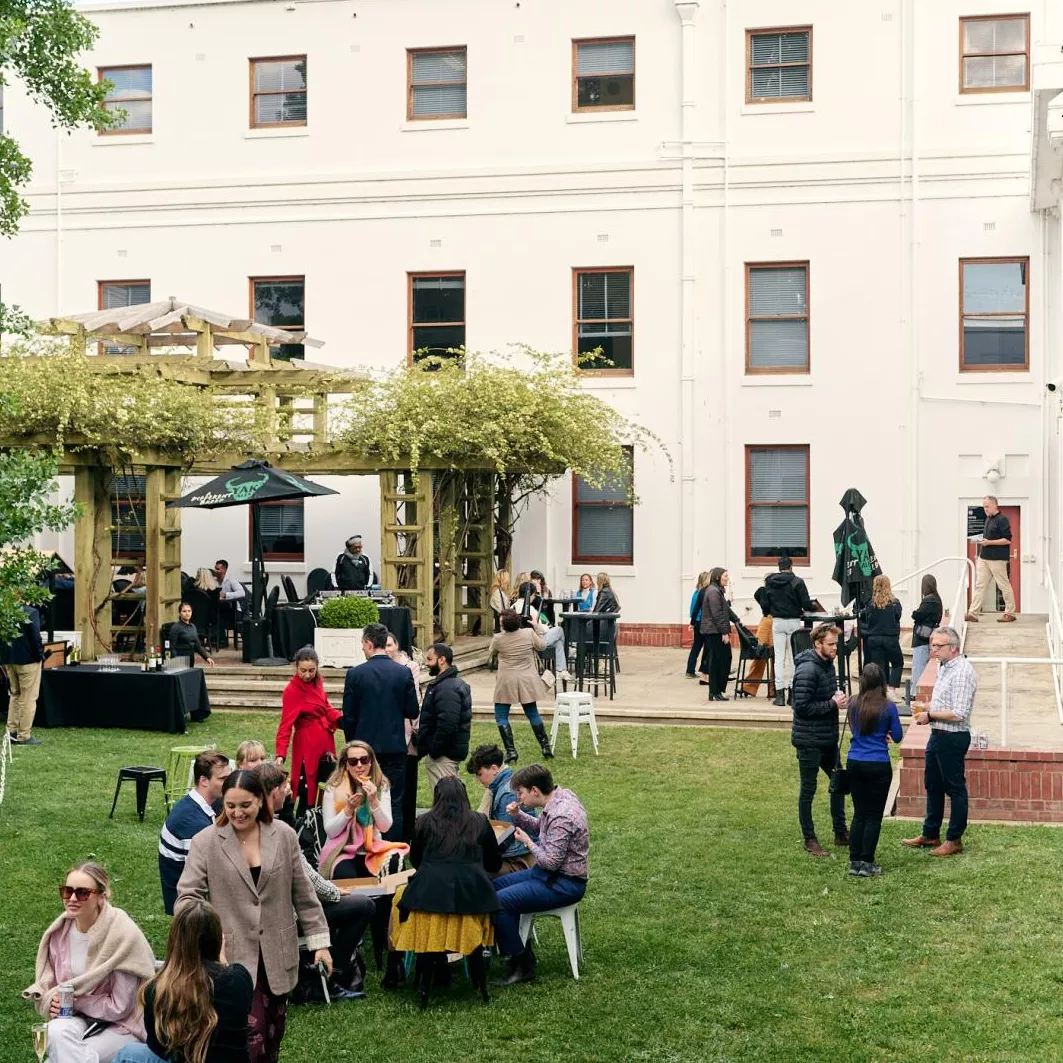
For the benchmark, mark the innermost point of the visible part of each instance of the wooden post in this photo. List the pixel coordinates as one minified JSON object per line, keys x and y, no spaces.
{"x":205,"y":342}
{"x":162,"y":540}
{"x":321,"y":421}
{"x":92,"y":559}
{"x":447,"y":554}
{"x":406,"y":546}
{"x":475,"y":555}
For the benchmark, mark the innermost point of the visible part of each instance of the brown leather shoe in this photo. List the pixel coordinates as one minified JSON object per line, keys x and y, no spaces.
{"x":841,"y":839}
{"x":947,"y":849}
{"x":971,"y":618}
{"x":921,"y":842}
{"x":812,"y":846}
{"x":1007,"y":618}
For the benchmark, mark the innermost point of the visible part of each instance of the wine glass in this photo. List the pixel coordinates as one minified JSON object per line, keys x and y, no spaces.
{"x":40,"y":1040}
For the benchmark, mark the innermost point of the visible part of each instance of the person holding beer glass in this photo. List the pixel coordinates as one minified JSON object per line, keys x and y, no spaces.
{"x":91,"y":962}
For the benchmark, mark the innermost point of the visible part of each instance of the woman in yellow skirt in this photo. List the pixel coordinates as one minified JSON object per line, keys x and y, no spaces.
{"x":447,"y":905}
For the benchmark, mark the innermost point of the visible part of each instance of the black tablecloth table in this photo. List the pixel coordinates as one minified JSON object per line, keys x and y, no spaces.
{"x":293,"y":627}
{"x":86,"y":696}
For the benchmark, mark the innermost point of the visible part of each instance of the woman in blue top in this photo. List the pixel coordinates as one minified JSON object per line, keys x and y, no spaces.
{"x":698,"y":644}
{"x":585,"y":594}
{"x":873,"y":721}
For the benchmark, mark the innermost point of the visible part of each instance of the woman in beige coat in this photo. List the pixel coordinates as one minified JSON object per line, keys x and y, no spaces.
{"x":250,"y":868}
{"x":517,"y":681}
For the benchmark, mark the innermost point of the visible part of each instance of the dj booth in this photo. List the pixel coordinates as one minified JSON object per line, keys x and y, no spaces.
{"x":294,"y":622}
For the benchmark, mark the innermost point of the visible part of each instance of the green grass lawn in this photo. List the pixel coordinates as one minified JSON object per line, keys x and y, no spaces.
{"x":708,"y":934}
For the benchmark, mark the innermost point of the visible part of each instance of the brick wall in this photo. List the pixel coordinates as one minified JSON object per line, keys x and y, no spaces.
{"x":655,"y":635}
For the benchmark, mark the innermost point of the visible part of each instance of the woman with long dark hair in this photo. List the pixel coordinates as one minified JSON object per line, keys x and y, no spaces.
{"x":924,"y":620}
{"x":716,"y":629}
{"x":196,"y":1007}
{"x":447,"y":905}
{"x":249,"y":866}
{"x":873,"y":720}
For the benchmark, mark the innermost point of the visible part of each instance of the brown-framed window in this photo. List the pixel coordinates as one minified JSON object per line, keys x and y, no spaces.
{"x":994,"y":314}
{"x":280,"y":302}
{"x":281,"y":528}
{"x":128,"y":496}
{"x":130,"y":91}
{"x":777,"y":321}
{"x":436,"y":314}
{"x":603,"y":74}
{"x":777,"y":503}
{"x":604,"y":317}
{"x":112,"y":295}
{"x":278,"y":91}
{"x":436,"y":83}
{"x":603,"y":519}
{"x":995,"y":53}
{"x":779,"y":65}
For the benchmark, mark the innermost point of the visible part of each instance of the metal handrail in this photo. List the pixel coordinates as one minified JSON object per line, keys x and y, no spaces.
{"x":958,"y":613}
{"x":1054,"y":635}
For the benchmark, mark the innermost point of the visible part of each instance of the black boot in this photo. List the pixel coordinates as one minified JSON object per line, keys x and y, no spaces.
{"x":780,"y":699}
{"x":539,"y":730}
{"x":521,"y":969}
{"x":790,"y":696}
{"x":395,"y":973}
{"x":507,"y":742}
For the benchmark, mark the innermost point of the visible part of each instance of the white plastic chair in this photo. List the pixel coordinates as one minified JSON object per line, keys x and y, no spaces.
{"x":569,"y":917}
{"x":573,"y":707}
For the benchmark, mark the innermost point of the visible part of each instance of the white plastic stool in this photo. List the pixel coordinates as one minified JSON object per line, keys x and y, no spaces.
{"x":569,"y":917}
{"x":574,"y":707}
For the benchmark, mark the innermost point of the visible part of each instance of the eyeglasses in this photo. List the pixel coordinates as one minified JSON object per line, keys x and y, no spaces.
{"x":82,"y":893}
{"x":359,"y":760}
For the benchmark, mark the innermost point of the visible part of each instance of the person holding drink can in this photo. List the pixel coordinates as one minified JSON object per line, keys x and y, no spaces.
{"x":91,"y":963}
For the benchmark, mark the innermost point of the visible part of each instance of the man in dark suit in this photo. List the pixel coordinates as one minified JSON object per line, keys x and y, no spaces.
{"x":22,"y":662}
{"x":378,"y":697}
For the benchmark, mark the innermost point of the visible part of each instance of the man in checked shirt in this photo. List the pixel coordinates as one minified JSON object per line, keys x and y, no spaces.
{"x":558,"y":842}
{"x":949,"y":717}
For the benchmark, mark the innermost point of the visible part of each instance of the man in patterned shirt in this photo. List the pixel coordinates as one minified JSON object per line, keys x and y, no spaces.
{"x":558,"y":842}
{"x":949,"y":717}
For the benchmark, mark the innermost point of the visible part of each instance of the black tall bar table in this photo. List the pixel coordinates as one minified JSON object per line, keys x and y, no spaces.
{"x":812,"y":620}
{"x":593,"y":635}
{"x":88,"y":696}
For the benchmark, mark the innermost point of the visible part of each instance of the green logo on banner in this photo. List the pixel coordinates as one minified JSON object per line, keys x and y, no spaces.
{"x":244,"y":490}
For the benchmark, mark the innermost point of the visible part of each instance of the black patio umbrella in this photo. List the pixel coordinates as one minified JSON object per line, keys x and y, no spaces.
{"x":250,"y":484}
{"x":855,"y":564}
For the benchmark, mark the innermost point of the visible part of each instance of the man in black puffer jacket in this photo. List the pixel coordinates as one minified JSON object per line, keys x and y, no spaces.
{"x":446,"y":716}
{"x":817,"y":700}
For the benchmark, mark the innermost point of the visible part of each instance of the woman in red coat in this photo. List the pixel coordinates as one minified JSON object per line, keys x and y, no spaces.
{"x":305,"y":707}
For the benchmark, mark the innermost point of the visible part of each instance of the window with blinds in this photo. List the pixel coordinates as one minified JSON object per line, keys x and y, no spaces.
{"x":128,"y":520}
{"x":604,"y":324}
{"x":112,"y":295}
{"x":280,"y":302}
{"x":779,"y":65}
{"x":437,"y":83}
{"x":603,"y":74}
{"x":281,"y":527}
{"x":278,"y":91}
{"x":995,"y":54}
{"x":603,"y":520}
{"x":130,"y":92}
{"x":777,"y":504}
{"x":777,"y":326}
{"x":994,"y":314}
{"x":437,"y":315}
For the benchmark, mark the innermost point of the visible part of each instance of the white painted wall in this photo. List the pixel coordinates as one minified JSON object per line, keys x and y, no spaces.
{"x":882,"y":183}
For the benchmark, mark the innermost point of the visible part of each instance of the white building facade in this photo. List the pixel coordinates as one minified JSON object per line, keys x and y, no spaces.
{"x":821,"y":244}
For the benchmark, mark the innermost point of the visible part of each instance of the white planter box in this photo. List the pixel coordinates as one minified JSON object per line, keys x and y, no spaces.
{"x":339,"y":647}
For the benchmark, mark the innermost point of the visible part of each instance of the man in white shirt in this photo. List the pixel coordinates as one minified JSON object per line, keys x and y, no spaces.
{"x":229,"y":593}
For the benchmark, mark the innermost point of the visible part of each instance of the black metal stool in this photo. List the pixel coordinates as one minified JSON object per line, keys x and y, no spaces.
{"x":143,"y":777}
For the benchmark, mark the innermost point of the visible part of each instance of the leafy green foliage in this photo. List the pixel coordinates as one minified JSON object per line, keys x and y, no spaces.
{"x":40,"y":43}
{"x":348,"y":612}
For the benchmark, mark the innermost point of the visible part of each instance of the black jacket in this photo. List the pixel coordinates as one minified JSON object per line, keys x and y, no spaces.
{"x":763,"y":598}
{"x":605,"y":601}
{"x":883,"y":622}
{"x":929,"y":612}
{"x":996,"y":527}
{"x":184,"y":640}
{"x":353,"y":573}
{"x":715,"y":613}
{"x":455,"y":883}
{"x":815,"y":715}
{"x":787,"y":596}
{"x":28,"y":647}
{"x":378,"y":697}
{"x":446,"y":717}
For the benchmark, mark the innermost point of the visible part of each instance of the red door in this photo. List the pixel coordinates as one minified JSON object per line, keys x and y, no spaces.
{"x":1013,"y":513}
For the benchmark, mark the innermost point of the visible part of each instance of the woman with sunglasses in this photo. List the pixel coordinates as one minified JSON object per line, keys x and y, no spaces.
{"x":103,"y":954}
{"x":249,"y":867}
{"x":356,"y":812}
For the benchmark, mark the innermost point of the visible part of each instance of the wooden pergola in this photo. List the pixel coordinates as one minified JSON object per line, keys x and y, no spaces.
{"x":437,"y":523}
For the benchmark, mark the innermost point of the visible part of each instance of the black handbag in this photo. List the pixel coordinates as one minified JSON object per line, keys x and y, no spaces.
{"x":923,"y":631}
{"x":839,"y":777}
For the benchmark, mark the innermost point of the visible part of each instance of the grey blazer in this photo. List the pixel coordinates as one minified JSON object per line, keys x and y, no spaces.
{"x":256,"y":921}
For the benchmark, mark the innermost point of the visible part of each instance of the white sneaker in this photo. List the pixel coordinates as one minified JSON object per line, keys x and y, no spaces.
{"x":547,"y":677}
{"x":565,"y":676}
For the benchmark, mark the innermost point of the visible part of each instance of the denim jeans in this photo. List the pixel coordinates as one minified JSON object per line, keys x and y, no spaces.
{"x":534,"y":890}
{"x":869,"y":784}
{"x":137,"y":1053}
{"x":556,"y":637}
{"x":920,"y":659}
{"x":943,"y":774}
{"x":531,"y":710}
{"x":811,"y":760}
{"x":781,"y":630}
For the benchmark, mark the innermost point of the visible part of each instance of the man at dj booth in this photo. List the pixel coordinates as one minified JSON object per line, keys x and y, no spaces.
{"x":354,"y":569}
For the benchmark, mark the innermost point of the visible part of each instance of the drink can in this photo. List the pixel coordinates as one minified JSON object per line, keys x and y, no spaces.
{"x":983,"y":740}
{"x":66,"y":1000}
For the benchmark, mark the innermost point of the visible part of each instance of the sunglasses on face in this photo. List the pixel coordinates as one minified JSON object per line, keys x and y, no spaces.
{"x":82,"y":893}
{"x":360,"y":760}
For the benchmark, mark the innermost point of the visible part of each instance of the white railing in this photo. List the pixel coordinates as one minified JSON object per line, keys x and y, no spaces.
{"x":1005,"y":663}
{"x":958,"y":612}
{"x":1054,"y":634}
